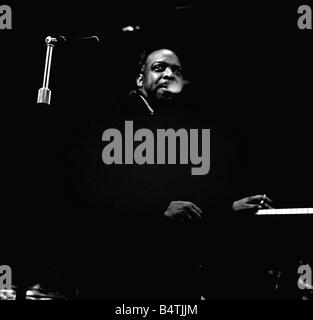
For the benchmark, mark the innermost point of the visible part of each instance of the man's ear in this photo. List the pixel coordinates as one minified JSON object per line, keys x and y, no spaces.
{"x":139,"y":80}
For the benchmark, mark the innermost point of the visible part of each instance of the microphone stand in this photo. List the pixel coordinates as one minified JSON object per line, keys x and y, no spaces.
{"x":44,"y":93}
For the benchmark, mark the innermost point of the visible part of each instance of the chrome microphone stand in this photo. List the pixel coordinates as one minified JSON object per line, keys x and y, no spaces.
{"x":44,"y":93}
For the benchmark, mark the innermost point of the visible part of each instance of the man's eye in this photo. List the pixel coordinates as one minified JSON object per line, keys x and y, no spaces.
{"x":178,"y":71}
{"x":158,"y":67}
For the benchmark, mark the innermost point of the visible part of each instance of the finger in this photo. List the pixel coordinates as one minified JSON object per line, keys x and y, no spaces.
{"x":187,"y":214}
{"x":196,"y":208}
{"x":193,"y":213}
{"x":268,"y":199}
{"x":181,"y":217}
{"x":258,"y":197}
{"x":254,"y":199}
{"x":266,"y":205}
{"x":250,"y":206}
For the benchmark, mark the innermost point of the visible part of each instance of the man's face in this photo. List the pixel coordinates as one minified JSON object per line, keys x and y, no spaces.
{"x":162,"y":77}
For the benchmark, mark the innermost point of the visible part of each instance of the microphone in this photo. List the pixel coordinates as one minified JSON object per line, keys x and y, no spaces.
{"x":70,"y":39}
{"x":44,"y":93}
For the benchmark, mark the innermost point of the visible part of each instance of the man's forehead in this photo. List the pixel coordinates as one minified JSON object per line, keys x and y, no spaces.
{"x":163,"y":55}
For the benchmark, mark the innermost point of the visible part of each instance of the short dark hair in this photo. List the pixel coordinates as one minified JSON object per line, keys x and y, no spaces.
{"x":142,"y":60}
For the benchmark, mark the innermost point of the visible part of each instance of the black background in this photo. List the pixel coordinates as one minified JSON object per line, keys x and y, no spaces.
{"x":248,"y":61}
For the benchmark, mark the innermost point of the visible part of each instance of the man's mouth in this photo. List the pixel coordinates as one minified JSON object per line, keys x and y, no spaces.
{"x":164,"y":85}
{"x":172,"y":87}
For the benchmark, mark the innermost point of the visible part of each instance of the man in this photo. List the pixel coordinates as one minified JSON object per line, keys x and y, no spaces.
{"x":160,"y":80}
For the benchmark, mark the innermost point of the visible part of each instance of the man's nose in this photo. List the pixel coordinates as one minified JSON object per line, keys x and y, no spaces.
{"x":168,"y":73}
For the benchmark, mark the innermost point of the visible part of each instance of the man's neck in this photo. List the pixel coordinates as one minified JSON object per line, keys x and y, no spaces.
{"x":159,"y":106}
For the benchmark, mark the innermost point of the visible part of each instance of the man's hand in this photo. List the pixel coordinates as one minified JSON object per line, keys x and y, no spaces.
{"x":252,"y":203}
{"x":183,"y":210}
